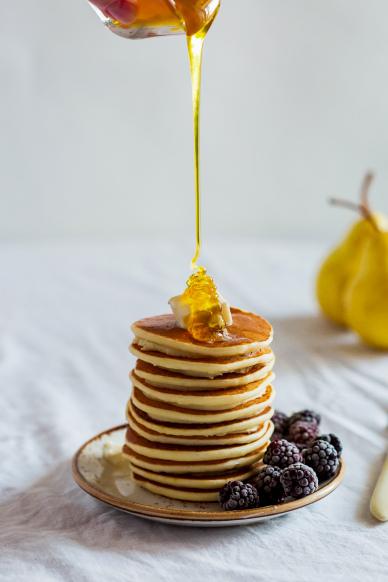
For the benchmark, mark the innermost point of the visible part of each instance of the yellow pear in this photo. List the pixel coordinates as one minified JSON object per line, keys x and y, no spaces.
{"x":339,"y":269}
{"x":366,"y":301}
{"x":342,"y":264}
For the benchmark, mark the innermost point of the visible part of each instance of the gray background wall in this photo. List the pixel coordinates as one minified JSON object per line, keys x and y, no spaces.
{"x":95,"y":131}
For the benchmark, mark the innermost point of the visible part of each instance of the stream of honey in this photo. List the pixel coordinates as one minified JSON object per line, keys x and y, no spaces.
{"x":195,"y":44}
{"x":195,"y":48}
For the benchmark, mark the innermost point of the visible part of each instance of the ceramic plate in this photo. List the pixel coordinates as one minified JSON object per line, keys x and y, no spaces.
{"x":101,"y":470}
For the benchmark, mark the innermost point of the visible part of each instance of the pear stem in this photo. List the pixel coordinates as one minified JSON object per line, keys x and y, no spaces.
{"x":365,"y":189}
{"x":363,"y":208}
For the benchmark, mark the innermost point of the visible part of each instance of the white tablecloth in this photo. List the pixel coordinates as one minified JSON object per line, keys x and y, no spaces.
{"x":65,"y":312}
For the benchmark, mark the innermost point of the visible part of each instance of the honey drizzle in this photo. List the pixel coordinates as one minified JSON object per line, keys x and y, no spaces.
{"x":195,"y":48}
{"x":205,"y":322}
{"x":195,"y":43}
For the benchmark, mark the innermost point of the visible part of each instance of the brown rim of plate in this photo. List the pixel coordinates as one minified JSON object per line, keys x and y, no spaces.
{"x":183,"y":514}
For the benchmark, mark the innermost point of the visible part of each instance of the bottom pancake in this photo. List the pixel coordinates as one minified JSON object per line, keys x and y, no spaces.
{"x":199,"y":481}
{"x":176,"y":493}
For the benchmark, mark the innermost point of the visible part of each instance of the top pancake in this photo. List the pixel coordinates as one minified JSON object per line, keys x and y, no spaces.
{"x":248,"y":333}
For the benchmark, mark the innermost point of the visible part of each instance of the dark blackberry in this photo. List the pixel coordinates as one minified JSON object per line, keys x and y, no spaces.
{"x":303,"y":433}
{"x":322,"y":457}
{"x":238,"y":495}
{"x":298,"y":480}
{"x":305,"y":416}
{"x":280,"y":421}
{"x":333,"y":440}
{"x":281,"y":453}
{"x":269,"y":488}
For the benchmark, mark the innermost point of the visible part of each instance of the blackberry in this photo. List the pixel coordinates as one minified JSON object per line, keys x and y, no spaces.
{"x":280,"y":421}
{"x":238,"y":495}
{"x":333,"y":440}
{"x":298,"y":480}
{"x":322,"y":457}
{"x":303,"y":433}
{"x":281,"y":453}
{"x":305,"y":416}
{"x":269,"y":488}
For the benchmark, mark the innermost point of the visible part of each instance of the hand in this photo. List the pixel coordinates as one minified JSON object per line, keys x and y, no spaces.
{"x":122,"y":10}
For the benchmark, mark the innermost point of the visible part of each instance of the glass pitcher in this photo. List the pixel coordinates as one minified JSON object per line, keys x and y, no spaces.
{"x":164,"y":17}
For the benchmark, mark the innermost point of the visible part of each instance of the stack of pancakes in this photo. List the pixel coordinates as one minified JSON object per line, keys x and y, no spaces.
{"x":199,"y":413}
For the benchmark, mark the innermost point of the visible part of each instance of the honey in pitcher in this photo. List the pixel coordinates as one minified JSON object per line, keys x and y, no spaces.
{"x":164,"y":17}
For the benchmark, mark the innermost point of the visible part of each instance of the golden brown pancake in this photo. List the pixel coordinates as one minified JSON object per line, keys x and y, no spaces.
{"x":210,"y":429}
{"x":210,"y":400}
{"x":169,"y":379}
{"x":183,"y":494}
{"x":199,"y":480}
{"x":170,"y":413}
{"x":187,"y":454}
{"x":187,"y":487}
{"x":249,"y":333}
{"x":179,"y":467}
{"x":203,"y":366}
{"x":199,"y":439}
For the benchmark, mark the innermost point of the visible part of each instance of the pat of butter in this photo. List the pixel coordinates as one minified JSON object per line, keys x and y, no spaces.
{"x":181,"y":311}
{"x":225,"y":310}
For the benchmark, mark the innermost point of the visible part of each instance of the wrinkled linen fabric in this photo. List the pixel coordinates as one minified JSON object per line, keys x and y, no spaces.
{"x":65,"y":312}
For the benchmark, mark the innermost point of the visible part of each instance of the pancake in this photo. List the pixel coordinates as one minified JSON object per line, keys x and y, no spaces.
{"x":198,"y":481}
{"x":203,"y":366}
{"x":249,"y":333}
{"x":203,"y":440}
{"x":169,"y":379}
{"x":178,"y":467}
{"x":188,"y":454}
{"x":190,"y":487}
{"x":170,"y":413}
{"x":194,"y":430}
{"x":174,"y":492}
{"x":209,"y":400}
{"x":152,"y":435}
